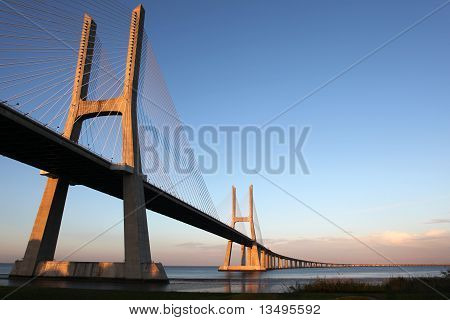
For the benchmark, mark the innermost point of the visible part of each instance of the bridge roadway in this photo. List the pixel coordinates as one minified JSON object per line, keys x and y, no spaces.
{"x":27,"y":141}
{"x":30,"y":142}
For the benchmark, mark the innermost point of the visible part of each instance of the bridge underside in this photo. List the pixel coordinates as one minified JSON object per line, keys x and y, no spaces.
{"x":29,"y":142}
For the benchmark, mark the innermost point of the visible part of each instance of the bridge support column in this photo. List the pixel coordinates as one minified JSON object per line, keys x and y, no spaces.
{"x":227,"y":260}
{"x":263,"y":259}
{"x":248,"y":259}
{"x":136,"y":239}
{"x":255,"y":257}
{"x":44,"y":236}
{"x":242,"y":255}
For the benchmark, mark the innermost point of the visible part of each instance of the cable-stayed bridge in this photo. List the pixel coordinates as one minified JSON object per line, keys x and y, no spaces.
{"x":81,"y":96}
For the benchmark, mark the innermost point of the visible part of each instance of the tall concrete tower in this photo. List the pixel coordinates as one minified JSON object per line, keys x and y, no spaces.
{"x":252,"y":258}
{"x":39,"y":255}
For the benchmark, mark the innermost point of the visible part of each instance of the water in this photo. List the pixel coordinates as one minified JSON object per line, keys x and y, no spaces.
{"x":5,"y":268}
{"x":208,"y":279}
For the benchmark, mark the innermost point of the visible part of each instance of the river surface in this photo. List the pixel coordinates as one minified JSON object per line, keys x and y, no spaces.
{"x":208,"y":279}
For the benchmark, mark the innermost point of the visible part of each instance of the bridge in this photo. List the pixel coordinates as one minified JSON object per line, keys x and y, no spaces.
{"x":66,"y":155}
{"x":25,"y":140}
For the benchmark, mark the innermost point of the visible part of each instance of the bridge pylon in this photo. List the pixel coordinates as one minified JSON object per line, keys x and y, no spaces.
{"x":39,"y":255}
{"x":252,"y":258}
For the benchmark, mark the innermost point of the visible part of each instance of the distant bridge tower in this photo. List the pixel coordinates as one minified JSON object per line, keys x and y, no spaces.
{"x":252,"y":258}
{"x":39,"y":255}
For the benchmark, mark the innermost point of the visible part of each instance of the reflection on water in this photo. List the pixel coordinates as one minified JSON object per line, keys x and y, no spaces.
{"x":306,"y":273}
{"x":208,"y":279}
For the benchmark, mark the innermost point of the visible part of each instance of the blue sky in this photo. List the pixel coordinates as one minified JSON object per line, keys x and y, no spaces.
{"x":378,"y":150}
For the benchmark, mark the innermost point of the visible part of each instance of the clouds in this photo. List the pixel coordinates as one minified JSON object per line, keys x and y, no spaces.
{"x":190,"y":245}
{"x":198,"y":245}
{"x":430,"y":246}
{"x":408,"y":238}
{"x":438,"y":221}
{"x":392,"y":237}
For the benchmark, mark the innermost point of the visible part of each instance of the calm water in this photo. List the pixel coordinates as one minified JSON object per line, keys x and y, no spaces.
{"x":208,"y":279}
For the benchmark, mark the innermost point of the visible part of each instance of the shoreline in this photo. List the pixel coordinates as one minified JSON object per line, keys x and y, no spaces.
{"x":395,"y":288}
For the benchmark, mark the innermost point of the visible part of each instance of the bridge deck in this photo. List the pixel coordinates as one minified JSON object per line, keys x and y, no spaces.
{"x":30,"y":142}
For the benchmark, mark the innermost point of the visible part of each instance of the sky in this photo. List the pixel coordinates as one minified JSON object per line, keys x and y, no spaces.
{"x":378,"y":150}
